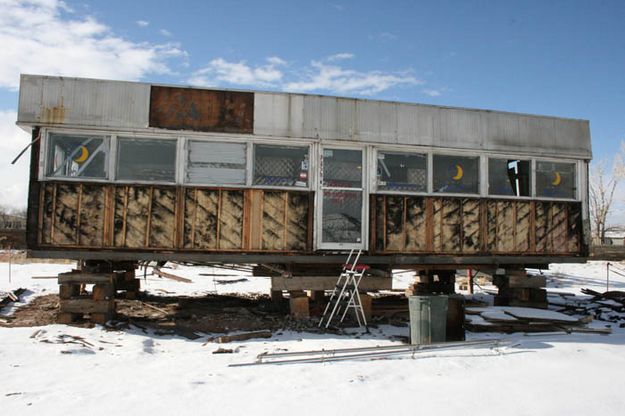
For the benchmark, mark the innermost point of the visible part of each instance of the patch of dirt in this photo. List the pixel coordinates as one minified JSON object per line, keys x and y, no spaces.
{"x":188,"y":316}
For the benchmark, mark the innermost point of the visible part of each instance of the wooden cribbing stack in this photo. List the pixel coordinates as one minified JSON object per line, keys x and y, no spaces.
{"x":98,"y":305}
{"x":517,"y":288}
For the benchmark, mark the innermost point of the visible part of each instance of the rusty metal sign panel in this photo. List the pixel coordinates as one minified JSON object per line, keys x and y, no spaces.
{"x":202,"y":110}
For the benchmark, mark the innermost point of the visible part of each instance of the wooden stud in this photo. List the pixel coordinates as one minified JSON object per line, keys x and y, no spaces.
{"x":78,"y":206}
{"x":148,"y":222}
{"x":53,"y":222}
{"x":126,"y":192}
{"x":286,"y":221}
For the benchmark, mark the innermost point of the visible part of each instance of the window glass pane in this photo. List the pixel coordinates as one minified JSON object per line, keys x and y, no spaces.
{"x":280,"y":165}
{"x":342,"y":216}
{"x":555,"y":180}
{"x":216,"y":163}
{"x":509,"y":177}
{"x":456,"y":174}
{"x":77,"y":156}
{"x":146,"y":159}
{"x":402,"y":172}
{"x":342,"y":168}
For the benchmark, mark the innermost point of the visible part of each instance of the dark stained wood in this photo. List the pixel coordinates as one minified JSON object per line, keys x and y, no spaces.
{"x":201,"y":110}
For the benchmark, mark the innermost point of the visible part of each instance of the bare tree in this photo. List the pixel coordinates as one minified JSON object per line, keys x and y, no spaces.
{"x":602,"y":187}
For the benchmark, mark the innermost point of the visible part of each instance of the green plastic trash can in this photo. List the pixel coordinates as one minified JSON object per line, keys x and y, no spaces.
{"x":428,"y":318}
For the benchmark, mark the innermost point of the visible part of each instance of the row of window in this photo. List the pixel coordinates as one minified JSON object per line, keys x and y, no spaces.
{"x":222,"y":163}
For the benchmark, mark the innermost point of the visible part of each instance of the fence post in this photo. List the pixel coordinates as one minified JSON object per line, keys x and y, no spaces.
{"x":607,"y":277}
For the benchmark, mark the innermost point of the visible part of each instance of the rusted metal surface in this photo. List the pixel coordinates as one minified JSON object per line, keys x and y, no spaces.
{"x":466,"y":226}
{"x":201,"y":110}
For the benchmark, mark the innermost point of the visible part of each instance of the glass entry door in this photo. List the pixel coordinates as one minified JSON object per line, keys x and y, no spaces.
{"x":342,"y":197}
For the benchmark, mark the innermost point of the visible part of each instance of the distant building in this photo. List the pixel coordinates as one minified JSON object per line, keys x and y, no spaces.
{"x":12,"y":222}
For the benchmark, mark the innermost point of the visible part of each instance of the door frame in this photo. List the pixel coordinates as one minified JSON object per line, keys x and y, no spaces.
{"x":364,"y":190}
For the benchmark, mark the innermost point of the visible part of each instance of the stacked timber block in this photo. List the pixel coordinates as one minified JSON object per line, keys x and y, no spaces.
{"x":516,"y":288}
{"x":441,"y":282}
{"x":76,"y":302}
{"x":299,"y":304}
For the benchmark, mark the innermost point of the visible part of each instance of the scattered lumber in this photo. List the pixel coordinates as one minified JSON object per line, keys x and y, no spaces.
{"x":170,"y":276}
{"x":244,"y":336}
{"x":510,"y":319}
{"x":10,"y":297}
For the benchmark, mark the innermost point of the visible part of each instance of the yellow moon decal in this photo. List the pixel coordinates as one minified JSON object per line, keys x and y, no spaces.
{"x":83,"y":156}
{"x":557,"y":179}
{"x":459,"y":173}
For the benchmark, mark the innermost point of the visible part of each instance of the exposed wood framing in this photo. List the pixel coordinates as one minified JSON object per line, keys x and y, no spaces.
{"x":85,"y":215}
{"x":440,"y":225}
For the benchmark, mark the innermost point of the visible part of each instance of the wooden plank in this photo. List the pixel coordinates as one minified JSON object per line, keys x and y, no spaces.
{"x":416,"y":224}
{"x":207,"y":223}
{"x":559,"y":228}
{"x":91,"y":215}
{"x":451,"y":227}
{"x":505,"y":223}
{"x":86,"y":278}
{"x":297,"y":221}
{"x":171,"y":276}
{"x":395,"y":223}
{"x":574,"y":227}
{"x":273,"y":221}
{"x":149,"y":217}
{"x":326,"y":283}
{"x":65,"y":214}
{"x":138,"y":201}
{"x":522,"y":227}
{"x":542,"y":224}
{"x":162,"y":216}
{"x":244,"y":337}
{"x":47,"y":204}
{"x":470,"y":225}
{"x":86,"y":306}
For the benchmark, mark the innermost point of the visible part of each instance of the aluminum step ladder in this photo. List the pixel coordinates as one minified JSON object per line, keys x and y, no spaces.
{"x":345,"y":295}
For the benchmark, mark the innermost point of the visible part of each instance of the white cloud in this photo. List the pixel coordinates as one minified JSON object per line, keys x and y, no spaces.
{"x":13,"y":178}
{"x":388,"y":36}
{"x":43,"y":37}
{"x":431,"y":92}
{"x":340,"y":57}
{"x":239,"y":73}
{"x":325,"y":75}
{"x":165,"y":32}
{"x":142,"y":23}
{"x":333,"y":78}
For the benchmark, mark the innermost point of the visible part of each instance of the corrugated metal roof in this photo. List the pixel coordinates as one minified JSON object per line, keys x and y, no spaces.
{"x":98,"y":104}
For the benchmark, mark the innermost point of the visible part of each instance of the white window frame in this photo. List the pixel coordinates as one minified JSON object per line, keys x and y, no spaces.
{"x":185,"y":165}
{"x":45,"y":149}
{"x":480,"y":175}
{"x":251,"y":162}
{"x":576,"y":163}
{"x":375,"y":151}
{"x":142,"y":182}
{"x":514,"y":197}
{"x":364,"y":190}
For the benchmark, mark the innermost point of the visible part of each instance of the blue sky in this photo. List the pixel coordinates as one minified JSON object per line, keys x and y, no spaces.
{"x":562,"y":58}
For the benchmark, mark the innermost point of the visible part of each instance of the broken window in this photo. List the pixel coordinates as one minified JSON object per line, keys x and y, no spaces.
{"x":509,"y":177}
{"x":152,"y":160}
{"x":77,"y":156}
{"x":216,"y":163}
{"x":280,"y":165}
{"x":456,"y":174}
{"x":555,"y":180}
{"x":402,"y":172}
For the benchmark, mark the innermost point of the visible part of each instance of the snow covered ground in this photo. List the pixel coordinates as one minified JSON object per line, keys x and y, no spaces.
{"x":132,"y":372}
